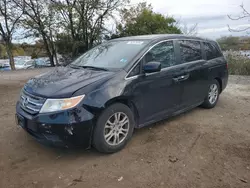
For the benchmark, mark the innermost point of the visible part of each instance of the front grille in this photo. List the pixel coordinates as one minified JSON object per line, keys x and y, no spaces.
{"x":30,"y":103}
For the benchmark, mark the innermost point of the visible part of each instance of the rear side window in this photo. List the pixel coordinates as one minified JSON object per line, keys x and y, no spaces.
{"x":163,"y":53}
{"x":190,"y":51}
{"x":211,"y":51}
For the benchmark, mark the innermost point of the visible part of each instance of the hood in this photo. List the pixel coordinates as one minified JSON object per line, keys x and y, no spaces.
{"x":63,"y":81}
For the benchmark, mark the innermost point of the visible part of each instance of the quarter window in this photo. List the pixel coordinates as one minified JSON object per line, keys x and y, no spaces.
{"x":190,"y":51}
{"x":135,"y":71}
{"x":211,"y":51}
{"x":163,"y":53}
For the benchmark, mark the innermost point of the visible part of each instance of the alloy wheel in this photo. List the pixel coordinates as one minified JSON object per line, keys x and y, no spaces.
{"x":116,"y":128}
{"x":213,"y":93}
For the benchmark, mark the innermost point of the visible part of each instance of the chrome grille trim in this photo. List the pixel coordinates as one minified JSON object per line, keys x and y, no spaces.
{"x":30,"y":108}
{"x":31,"y":103}
{"x":34,"y":103}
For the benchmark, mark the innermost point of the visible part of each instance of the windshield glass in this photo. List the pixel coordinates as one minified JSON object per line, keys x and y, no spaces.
{"x":20,"y":62}
{"x":111,"y":55}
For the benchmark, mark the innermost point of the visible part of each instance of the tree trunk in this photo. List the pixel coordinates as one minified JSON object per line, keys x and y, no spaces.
{"x":51,"y":59}
{"x":55,"y":55}
{"x":10,"y":55}
{"x":46,"y":44}
{"x":53,"y":48}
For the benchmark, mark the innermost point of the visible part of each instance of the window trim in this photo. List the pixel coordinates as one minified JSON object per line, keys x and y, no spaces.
{"x":139,"y":60}
{"x":140,"y":69}
{"x":176,"y":48}
{"x":179,"y":46}
{"x":215,"y":46}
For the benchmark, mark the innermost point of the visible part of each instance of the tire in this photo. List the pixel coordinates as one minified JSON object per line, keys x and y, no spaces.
{"x":109,"y":128}
{"x":208,"y":103}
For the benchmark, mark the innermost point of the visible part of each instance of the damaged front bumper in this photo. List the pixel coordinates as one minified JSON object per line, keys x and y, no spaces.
{"x":64,"y":129}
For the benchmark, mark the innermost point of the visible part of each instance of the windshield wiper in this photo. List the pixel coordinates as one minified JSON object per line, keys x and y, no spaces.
{"x":74,"y":66}
{"x":92,"y":67}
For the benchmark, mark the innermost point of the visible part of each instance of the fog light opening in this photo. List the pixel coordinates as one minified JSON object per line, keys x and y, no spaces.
{"x":69,"y":129}
{"x":46,"y":126}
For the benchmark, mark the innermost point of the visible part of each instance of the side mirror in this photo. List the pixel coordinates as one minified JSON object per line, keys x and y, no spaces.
{"x":152,"y":66}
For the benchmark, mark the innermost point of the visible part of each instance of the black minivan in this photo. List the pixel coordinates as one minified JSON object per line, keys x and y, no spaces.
{"x":120,"y":85}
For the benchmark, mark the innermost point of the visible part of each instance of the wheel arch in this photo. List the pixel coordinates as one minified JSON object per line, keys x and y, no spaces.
{"x":220,"y":83}
{"x":126,"y":101}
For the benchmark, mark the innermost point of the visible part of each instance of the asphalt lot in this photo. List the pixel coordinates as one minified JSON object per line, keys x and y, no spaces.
{"x":201,"y":148}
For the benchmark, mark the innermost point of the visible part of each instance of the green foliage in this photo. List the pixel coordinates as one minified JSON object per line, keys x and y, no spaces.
{"x":18,"y":51}
{"x":3,"y":53}
{"x":34,"y":50}
{"x":149,"y":22}
{"x":142,"y":20}
{"x":234,"y":43}
{"x":65,"y":45}
{"x":237,"y":64}
{"x":83,"y":23}
{"x":34,"y":55}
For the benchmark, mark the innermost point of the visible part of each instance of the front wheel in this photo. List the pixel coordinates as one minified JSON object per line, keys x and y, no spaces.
{"x":114,"y":128}
{"x":212,"y":95}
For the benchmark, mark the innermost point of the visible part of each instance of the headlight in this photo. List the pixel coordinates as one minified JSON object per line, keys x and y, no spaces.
{"x":53,"y":105}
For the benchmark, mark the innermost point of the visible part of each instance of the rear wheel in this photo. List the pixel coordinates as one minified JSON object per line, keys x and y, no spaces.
{"x":114,"y":128}
{"x":212,"y":95}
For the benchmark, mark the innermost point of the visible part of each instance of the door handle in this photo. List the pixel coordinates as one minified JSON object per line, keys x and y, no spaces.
{"x":181,"y":78}
{"x":176,"y":79}
{"x":184,"y":77}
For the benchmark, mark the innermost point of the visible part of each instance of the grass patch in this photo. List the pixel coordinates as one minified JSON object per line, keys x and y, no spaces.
{"x":238,"y":64}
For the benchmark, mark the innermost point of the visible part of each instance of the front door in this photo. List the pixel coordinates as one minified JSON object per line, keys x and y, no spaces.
{"x":158,"y":94}
{"x":193,"y":71}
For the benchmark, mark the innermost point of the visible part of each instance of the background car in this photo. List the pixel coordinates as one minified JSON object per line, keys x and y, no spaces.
{"x":26,"y":58}
{"x":24,"y":64}
{"x":5,"y":68}
{"x":42,"y":62}
{"x":4,"y":64}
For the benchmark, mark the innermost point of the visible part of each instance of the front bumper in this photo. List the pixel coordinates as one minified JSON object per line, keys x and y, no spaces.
{"x":64,"y":129}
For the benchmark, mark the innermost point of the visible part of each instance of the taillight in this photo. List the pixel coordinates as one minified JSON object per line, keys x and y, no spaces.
{"x":227,"y":65}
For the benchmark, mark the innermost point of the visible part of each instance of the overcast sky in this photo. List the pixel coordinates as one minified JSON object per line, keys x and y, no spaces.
{"x":210,"y":15}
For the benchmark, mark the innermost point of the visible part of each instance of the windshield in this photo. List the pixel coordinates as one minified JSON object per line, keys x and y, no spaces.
{"x":20,"y":62}
{"x":111,"y":55}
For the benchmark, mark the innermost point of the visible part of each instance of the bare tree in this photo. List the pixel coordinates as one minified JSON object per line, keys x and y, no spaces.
{"x":244,"y":15}
{"x":39,"y":18}
{"x":84,"y":20}
{"x":9,"y":20}
{"x":192,"y":30}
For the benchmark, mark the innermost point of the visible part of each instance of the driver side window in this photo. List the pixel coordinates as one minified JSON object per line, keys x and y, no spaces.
{"x":163,"y":53}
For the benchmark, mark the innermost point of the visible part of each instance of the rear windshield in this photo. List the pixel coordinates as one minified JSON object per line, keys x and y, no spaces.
{"x":112,"y":54}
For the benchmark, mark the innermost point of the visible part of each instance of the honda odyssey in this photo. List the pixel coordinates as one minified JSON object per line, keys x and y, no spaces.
{"x":126,"y":83}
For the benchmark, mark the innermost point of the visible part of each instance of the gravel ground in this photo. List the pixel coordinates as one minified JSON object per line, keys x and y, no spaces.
{"x":200,"y":148}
